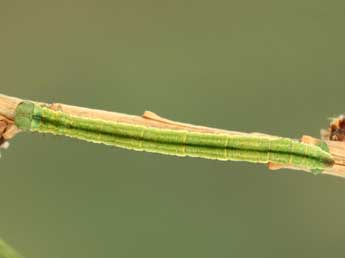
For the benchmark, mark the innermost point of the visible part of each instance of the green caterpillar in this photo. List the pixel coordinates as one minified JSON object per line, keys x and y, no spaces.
{"x":252,"y":148}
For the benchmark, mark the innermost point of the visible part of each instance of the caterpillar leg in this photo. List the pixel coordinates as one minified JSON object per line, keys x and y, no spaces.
{"x":276,"y":166}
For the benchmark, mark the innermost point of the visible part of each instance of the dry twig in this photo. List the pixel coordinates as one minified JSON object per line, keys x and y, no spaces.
{"x":8,"y":128}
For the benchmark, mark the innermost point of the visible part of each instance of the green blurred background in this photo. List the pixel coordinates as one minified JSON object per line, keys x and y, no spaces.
{"x":268,"y":66}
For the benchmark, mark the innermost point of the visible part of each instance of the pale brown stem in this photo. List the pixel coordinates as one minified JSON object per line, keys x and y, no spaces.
{"x":8,"y":129}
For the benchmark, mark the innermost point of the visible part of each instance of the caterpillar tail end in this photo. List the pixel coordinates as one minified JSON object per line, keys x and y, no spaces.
{"x":327,"y":162}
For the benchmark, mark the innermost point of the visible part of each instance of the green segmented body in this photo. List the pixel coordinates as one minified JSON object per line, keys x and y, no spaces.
{"x":252,"y":148}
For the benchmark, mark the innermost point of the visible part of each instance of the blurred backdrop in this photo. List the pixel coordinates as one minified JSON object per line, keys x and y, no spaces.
{"x":268,"y":66}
